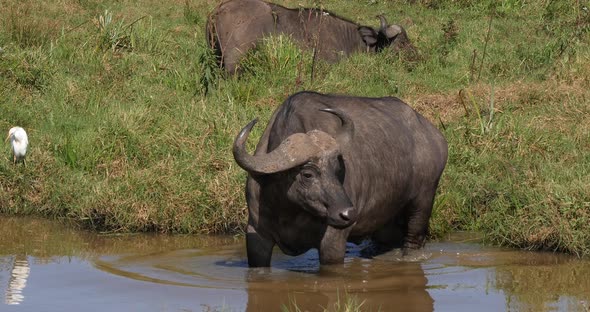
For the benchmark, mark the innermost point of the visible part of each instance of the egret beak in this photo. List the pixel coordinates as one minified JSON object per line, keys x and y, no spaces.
{"x":7,"y":137}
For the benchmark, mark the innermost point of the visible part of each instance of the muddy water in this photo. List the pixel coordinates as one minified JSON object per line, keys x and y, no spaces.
{"x":45,"y":266}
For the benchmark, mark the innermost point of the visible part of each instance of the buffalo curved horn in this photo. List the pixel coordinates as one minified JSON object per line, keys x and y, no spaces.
{"x":383,"y":22}
{"x":295,"y":150}
{"x":346,"y":132}
{"x":389,"y":30}
{"x":393,"y":30}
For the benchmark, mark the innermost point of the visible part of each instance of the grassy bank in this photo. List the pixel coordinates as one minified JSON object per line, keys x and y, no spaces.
{"x":131,"y":126}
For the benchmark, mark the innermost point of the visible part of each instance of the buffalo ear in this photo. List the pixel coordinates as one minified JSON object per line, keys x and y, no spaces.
{"x":392,"y":31}
{"x":369,"y":35}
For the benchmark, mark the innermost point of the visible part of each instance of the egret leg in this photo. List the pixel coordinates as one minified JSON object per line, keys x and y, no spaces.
{"x":25,"y":162}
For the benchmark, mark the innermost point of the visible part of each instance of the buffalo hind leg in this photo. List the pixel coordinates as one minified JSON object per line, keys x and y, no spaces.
{"x":259,"y":249}
{"x":418,"y":219}
{"x":388,"y":237}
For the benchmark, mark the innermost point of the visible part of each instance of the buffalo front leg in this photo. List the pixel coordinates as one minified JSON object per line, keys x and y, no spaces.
{"x":333,"y":246}
{"x":259,"y":249}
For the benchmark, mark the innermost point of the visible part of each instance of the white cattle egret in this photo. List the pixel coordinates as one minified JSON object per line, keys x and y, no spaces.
{"x":18,"y":143}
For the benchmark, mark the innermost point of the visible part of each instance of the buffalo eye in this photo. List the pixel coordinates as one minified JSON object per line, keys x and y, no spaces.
{"x":307,"y":174}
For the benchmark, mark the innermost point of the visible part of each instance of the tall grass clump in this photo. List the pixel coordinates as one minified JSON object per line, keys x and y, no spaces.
{"x":277,"y":66}
{"x":209,"y":68}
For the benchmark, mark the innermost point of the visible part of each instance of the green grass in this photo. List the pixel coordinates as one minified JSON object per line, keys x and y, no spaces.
{"x":344,"y":301}
{"x":131,"y":123}
{"x":523,"y":178}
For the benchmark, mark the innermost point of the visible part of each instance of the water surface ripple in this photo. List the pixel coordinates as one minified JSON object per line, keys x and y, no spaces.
{"x":46,"y":266}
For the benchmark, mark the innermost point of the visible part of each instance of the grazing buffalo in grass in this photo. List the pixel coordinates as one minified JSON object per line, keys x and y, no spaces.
{"x":236,"y":26}
{"x":330,"y":169}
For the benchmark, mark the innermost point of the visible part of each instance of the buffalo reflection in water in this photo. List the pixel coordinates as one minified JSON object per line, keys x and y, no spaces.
{"x":377,"y":285}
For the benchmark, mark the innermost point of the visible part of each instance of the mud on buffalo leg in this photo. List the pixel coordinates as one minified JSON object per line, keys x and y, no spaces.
{"x":418,"y":217}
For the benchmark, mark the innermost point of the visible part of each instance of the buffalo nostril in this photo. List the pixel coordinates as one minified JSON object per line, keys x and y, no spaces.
{"x":347,"y":215}
{"x":343,"y":217}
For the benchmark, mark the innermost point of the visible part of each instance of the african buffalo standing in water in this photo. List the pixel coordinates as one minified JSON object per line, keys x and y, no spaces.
{"x":330,"y":168}
{"x":236,"y":26}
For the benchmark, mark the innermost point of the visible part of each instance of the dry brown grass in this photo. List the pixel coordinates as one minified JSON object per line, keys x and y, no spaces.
{"x":33,"y":23}
{"x":455,"y":104}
